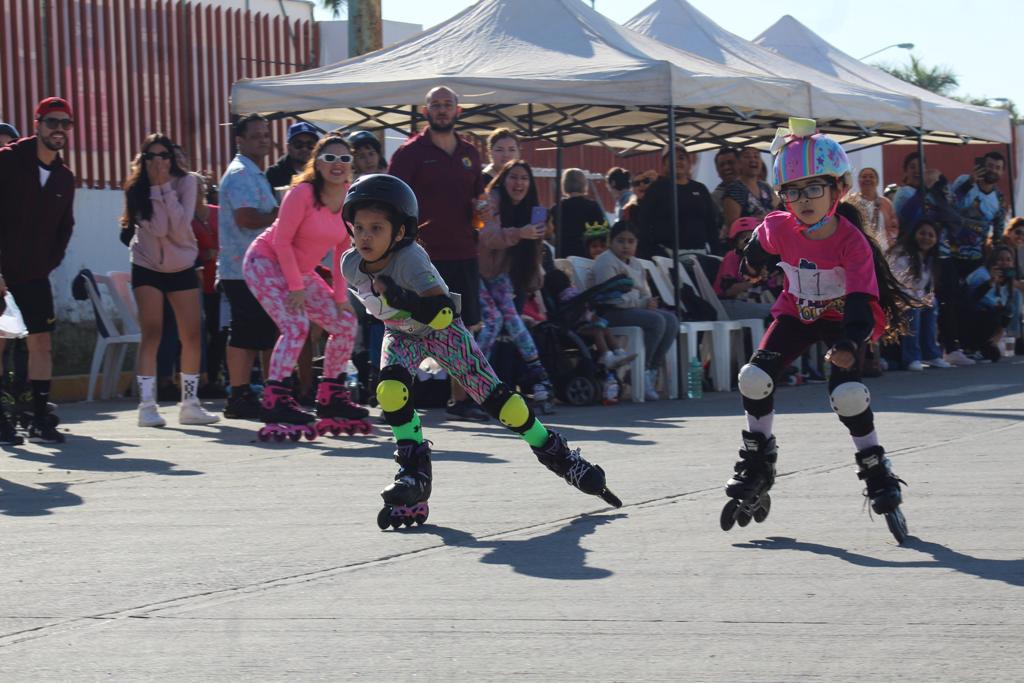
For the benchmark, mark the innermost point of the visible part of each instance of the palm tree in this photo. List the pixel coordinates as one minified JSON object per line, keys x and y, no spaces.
{"x":336,"y":6}
{"x":937,"y":79}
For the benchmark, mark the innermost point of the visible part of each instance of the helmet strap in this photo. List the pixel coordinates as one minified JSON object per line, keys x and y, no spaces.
{"x":811,"y":229}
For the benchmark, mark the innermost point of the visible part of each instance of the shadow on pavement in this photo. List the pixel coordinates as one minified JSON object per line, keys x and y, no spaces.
{"x":18,"y":500}
{"x":1007,"y":571}
{"x":556,"y":555}
{"x":93,"y":455}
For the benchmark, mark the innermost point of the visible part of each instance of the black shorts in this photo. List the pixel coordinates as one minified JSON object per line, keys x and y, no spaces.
{"x":166,"y":282}
{"x":35,"y":301}
{"x":251,"y":327}
{"x":463,"y":277}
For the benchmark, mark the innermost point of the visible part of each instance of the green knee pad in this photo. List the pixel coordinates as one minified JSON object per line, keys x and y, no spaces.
{"x":512,"y":410}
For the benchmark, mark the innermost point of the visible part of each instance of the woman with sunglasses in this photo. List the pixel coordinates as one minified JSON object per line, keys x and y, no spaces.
{"x":160,"y":199}
{"x":840,"y":291}
{"x":280,"y":270}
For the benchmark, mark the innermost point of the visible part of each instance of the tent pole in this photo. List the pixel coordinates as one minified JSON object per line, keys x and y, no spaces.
{"x":920,"y":164}
{"x":675,"y":241}
{"x":558,"y":198}
{"x":1010,"y":166}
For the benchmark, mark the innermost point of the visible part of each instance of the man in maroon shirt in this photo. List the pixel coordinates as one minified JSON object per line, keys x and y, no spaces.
{"x":444,"y":171}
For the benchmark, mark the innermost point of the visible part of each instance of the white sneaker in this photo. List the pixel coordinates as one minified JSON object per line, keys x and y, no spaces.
{"x":650,"y":385}
{"x":620,"y":358}
{"x":957,"y":358}
{"x":149,"y":416}
{"x":937,"y":363}
{"x":540,"y":392}
{"x":191,"y":413}
{"x":883,"y":364}
{"x":915,"y":366}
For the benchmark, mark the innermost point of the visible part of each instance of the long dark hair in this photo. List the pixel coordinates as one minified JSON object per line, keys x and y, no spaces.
{"x":525,"y":256}
{"x":891,"y":297}
{"x":310,"y":175}
{"x":907,"y":245}
{"x":137,"y":204}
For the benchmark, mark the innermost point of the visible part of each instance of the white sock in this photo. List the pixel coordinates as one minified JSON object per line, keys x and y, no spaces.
{"x":867,"y":441}
{"x":147,"y":388}
{"x":189,"y":386}
{"x":761,"y":425}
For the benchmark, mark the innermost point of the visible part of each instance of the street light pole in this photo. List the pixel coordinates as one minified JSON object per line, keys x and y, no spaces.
{"x":904,"y":46}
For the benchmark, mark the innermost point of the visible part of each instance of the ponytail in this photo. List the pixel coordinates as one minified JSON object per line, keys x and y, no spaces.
{"x":891,"y":297}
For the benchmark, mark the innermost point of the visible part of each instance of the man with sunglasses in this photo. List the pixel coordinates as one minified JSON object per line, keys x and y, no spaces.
{"x":302,"y":138}
{"x":37,"y":192}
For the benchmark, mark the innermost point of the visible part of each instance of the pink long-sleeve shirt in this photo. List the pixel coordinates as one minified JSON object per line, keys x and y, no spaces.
{"x":165,"y":242}
{"x":301,"y":236}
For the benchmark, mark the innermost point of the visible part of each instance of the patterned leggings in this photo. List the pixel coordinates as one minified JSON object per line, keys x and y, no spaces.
{"x":453,"y":348}
{"x":498,"y":309}
{"x":266,"y":281}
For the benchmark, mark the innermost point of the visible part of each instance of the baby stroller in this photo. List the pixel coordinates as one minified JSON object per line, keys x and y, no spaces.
{"x":574,"y":372}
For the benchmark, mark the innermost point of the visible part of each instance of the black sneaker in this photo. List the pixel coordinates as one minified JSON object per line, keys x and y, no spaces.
{"x":242,"y":405}
{"x":44,"y":430}
{"x":8,"y":433}
{"x":466,"y":409}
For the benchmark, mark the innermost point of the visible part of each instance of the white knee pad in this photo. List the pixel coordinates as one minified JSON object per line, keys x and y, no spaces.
{"x":755,"y":383}
{"x":850,"y":399}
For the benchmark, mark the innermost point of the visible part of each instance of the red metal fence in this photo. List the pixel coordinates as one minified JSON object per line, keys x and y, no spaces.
{"x":132,"y":67}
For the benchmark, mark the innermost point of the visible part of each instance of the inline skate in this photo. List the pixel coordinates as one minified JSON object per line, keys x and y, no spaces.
{"x":282,"y":415}
{"x":405,"y":499}
{"x":571,"y":466}
{"x":336,"y":412}
{"x":882,"y":488}
{"x":748,"y":488}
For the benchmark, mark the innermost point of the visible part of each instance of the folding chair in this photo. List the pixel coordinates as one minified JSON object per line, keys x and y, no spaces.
{"x":112,"y":340}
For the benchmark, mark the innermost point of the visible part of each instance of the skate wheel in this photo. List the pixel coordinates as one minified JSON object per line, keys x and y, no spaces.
{"x":761,"y":513}
{"x":408,"y":521}
{"x":295,"y":436}
{"x":366,"y":429}
{"x":728,"y":517}
{"x":743,"y":519}
{"x":897,"y":525}
{"x":335,"y":431}
{"x":310,"y":433}
{"x":278,"y":437}
{"x":322,"y":430}
{"x":610,"y":498}
{"x":384,"y":518}
{"x":396,"y":523}
{"x":350,"y":431}
{"x":420,"y":519}
{"x":263,"y":436}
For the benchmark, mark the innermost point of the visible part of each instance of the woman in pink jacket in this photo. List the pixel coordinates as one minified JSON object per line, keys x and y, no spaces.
{"x":279,"y":269}
{"x":160,"y":199}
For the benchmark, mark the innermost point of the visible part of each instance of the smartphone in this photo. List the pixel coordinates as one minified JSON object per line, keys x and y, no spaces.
{"x":539,"y":215}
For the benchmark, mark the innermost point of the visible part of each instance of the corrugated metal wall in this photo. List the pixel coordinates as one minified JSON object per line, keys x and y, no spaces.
{"x":132,"y":67}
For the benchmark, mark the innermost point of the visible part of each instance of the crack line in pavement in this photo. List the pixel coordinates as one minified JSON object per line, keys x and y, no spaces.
{"x":224,"y":595}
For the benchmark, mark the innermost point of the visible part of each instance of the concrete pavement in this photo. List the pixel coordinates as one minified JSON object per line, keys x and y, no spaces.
{"x":200,"y":554}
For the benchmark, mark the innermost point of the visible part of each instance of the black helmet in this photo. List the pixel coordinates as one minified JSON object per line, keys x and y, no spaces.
{"x":364,"y":138}
{"x":382,"y":188}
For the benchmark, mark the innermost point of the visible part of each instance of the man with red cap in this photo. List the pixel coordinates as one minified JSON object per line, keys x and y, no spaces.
{"x":36,"y":192}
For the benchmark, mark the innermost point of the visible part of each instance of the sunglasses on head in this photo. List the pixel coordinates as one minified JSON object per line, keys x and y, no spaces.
{"x":53,"y":123}
{"x":335,"y":158}
{"x":793,"y":194}
{"x":149,"y":156}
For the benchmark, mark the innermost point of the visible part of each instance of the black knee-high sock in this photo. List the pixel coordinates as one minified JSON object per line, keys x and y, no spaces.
{"x":40,"y":396}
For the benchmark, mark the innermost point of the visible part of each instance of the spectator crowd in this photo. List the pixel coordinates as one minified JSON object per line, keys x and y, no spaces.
{"x":238,"y":287}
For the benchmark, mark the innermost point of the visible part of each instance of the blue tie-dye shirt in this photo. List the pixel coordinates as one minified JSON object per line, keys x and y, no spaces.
{"x":243,"y":187}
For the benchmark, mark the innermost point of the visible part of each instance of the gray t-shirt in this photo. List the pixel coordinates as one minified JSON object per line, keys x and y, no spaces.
{"x":411,"y":269}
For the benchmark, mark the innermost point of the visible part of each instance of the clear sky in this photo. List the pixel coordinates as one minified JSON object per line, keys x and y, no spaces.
{"x":972,"y":37}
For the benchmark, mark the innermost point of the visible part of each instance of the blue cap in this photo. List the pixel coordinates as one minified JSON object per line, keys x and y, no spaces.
{"x":8,"y":129}
{"x":302,"y":128}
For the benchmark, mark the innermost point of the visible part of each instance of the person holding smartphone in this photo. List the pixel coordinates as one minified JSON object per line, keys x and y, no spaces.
{"x":510,"y":257}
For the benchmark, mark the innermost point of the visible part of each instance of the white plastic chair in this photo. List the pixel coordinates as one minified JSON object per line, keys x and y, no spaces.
{"x":112,"y":339}
{"x":717,"y":331}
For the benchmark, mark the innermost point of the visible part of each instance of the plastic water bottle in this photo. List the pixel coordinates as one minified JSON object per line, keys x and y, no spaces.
{"x":695,"y":379}
{"x":352,"y":378}
{"x":611,"y":389}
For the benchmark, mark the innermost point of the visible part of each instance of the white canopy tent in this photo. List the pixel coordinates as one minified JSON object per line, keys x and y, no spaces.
{"x":880,"y":113}
{"x":556,"y":69}
{"x":943,"y":119}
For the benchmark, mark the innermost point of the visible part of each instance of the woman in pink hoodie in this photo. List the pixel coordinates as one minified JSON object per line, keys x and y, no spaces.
{"x":280,"y":270}
{"x":160,"y":199}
